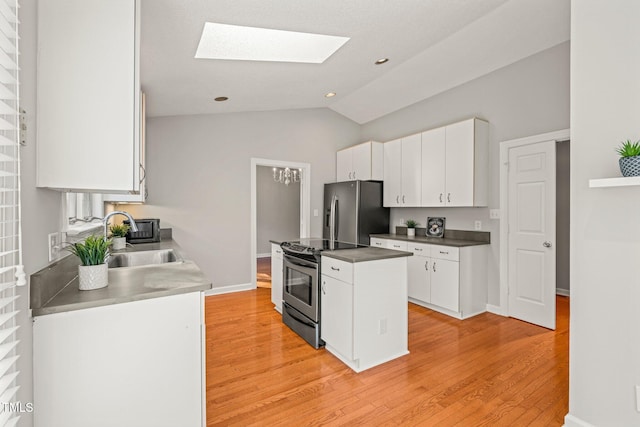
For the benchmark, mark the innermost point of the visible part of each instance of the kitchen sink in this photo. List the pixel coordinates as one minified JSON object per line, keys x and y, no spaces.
{"x":140,"y":258}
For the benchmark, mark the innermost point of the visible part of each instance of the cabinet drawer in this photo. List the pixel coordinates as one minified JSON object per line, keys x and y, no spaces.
{"x":337,"y":269}
{"x":420,"y":249}
{"x":445,"y":252}
{"x":397,"y":245}
{"x":378,"y":243}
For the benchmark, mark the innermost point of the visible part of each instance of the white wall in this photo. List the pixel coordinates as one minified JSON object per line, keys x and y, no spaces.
{"x":40,"y":207}
{"x":604,"y":355}
{"x":277,"y":210}
{"x":199,"y":172}
{"x":527,"y":98}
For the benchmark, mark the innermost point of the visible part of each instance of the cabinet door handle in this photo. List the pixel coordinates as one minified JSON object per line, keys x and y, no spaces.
{"x":397,"y":201}
{"x":335,"y":268}
{"x":426,"y":265}
{"x":143,"y":173}
{"x":403,"y":199}
{"x":547,"y":244}
{"x":448,"y":197}
{"x":434,"y":266}
{"x":444,"y":253}
{"x":396,"y":246}
{"x":354,"y":174}
{"x":440,"y":197}
{"x":417,"y":249}
{"x":323,"y":290}
{"x":349,"y":175}
{"x":278,"y":252}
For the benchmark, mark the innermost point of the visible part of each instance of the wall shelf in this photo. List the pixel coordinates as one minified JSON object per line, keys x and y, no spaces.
{"x":627,"y":181}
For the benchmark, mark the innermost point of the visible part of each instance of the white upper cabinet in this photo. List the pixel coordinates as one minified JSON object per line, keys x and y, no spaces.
{"x":455,"y":164}
{"x":363,"y":161}
{"x":402,"y":172}
{"x":88,"y":106}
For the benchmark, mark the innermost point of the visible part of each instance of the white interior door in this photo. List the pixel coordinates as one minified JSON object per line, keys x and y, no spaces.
{"x":531,"y":235}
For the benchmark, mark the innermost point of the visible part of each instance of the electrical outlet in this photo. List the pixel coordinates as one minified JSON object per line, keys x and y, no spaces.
{"x":494,"y":213}
{"x":401,"y":221}
{"x":382,"y":326}
{"x":315,"y":212}
{"x":55,"y":245}
{"x":477,"y":225}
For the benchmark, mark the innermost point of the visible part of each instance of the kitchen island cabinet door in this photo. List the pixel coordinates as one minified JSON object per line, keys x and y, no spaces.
{"x":131,"y":364}
{"x":445,"y":284}
{"x":337,"y":315}
{"x":276,"y":276}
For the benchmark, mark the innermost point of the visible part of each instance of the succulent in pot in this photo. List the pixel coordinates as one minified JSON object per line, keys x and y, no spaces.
{"x":629,"y":158}
{"x":93,"y":254}
{"x":118,"y":236}
{"x":411,"y":227}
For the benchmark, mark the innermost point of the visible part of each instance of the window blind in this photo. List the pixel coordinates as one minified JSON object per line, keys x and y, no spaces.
{"x":11,"y":269}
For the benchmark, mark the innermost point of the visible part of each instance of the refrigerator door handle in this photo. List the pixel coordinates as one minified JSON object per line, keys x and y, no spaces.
{"x":332,"y":218}
{"x":336,"y":219}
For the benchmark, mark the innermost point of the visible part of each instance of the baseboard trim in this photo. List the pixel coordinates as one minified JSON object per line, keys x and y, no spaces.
{"x":496,"y":309}
{"x":571,"y":421}
{"x":229,"y":289}
{"x":563,"y":292}
{"x":264,"y":255}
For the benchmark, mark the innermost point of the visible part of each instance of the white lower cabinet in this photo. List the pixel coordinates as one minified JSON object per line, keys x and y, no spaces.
{"x":419,"y":271}
{"x":364,"y":314}
{"x":276,"y":276}
{"x":450,"y":280}
{"x":131,"y":364}
{"x":337,"y":315}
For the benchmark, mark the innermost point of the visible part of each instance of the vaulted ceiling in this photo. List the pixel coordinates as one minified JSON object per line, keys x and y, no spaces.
{"x":432,"y":46}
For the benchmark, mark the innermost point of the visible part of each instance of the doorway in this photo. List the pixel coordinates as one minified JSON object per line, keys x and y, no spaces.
{"x":534,"y":235}
{"x":276,"y":213}
{"x":278,"y":216}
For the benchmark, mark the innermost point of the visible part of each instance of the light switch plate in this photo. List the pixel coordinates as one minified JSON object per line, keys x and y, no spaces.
{"x":477,"y":225}
{"x":494,"y":213}
{"x":315,"y":212}
{"x":55,"y":245}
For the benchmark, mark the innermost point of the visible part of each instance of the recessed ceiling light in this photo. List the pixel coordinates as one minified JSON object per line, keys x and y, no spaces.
{"x":234,"y":42}
{"x":221,"y":98}
{"x":381,"y":61}
{"x":330,"y":95}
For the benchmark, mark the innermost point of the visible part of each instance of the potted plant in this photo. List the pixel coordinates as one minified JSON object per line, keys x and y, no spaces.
{"x":93,"y":254}
{"x":118,"y":236}
{"x":629,"y":158}
{"x":411,"y":227}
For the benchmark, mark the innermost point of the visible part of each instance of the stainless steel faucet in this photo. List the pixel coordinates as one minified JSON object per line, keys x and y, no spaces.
{"x":105,"y":221}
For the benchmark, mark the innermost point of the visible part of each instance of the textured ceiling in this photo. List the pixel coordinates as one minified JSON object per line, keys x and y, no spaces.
{"x":433,"y":45}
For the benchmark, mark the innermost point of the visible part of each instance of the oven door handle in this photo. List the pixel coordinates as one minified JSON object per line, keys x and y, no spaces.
{"x":303,"y":321}
{"x":300,"y":263}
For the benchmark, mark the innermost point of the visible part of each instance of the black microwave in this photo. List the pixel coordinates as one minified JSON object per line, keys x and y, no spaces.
{"x":148,"y":231}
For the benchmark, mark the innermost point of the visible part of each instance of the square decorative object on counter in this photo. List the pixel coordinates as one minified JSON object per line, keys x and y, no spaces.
{"x":435,"y":226}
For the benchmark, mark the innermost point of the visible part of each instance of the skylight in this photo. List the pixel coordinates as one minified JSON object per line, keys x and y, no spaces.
{"x":233,"y":42}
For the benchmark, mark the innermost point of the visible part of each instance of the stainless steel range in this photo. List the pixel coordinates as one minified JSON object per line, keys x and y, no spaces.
{"x":301,"y":289}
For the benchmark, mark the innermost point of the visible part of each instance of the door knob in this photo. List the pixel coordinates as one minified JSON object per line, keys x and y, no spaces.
{"x":547,"y":244}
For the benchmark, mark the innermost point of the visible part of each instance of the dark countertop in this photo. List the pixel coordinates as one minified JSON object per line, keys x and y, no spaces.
{"x":54,"y":289}
{"x":364,"y":254}
{"x":459,"y":243}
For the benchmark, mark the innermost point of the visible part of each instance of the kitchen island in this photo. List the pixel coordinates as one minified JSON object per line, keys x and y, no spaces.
{"x":128,"y":354}
{"x":364,"y":305}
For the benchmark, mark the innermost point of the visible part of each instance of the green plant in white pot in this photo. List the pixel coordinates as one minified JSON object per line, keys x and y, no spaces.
{"x":411,"y":227}
{"x":93,"y":254}
{"x":629,"y":158}
{"x":119,"y":236}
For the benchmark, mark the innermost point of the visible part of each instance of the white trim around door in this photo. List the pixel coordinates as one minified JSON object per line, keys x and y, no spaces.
{"x":305,"y":203}
{"x":505,"y":146}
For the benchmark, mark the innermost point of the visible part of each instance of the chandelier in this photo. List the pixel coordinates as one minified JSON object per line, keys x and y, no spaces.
{"x":286,"y":176}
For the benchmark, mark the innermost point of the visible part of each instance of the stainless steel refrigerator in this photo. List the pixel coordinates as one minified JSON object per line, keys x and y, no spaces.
{"x":353,"y":210}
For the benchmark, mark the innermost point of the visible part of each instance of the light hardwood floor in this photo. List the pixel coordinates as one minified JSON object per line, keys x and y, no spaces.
{"x":485,"y":371}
